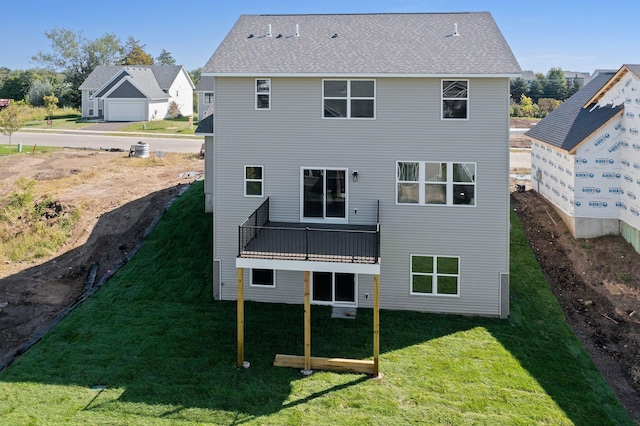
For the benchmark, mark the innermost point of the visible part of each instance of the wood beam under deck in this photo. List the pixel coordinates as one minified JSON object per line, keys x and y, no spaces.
{"x":307,"y":363}
{"x":240,"y":319}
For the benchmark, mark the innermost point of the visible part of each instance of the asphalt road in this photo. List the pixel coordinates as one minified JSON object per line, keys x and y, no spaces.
{"x":101,"y":141}
{"x":520,"y":159}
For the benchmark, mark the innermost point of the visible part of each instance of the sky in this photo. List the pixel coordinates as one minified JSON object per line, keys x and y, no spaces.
{"x":573,"y":35}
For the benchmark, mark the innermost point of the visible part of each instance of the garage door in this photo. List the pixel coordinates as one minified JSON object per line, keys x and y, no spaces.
{"x":126,"y":111}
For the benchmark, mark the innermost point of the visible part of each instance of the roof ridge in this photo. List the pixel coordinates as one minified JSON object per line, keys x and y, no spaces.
{"x":364,"y":14}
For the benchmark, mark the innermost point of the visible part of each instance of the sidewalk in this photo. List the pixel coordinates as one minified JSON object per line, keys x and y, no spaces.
{"x":110,"y":132}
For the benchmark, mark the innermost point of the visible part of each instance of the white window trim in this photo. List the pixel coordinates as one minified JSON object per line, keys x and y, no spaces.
{"x":333,"y":294}
{"x":338,"y":220}
{"x":245,"y":180}
{"x":255,"y":100}
{"x":348,"y":98}
{"x":449,"y":184}
{"x":251,"y":284}
{"x":435,"y":275}
{"x":204,"y":98}
{"x":442,"y":99}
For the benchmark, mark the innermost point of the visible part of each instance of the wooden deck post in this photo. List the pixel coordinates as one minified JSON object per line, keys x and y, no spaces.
{"x":240,"y":311}
{"x":307,"y":323}
{"x":376,"y":324}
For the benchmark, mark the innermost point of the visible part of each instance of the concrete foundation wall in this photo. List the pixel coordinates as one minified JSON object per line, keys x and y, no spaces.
{"x":583,"y":227}
{"x":631,"y":235}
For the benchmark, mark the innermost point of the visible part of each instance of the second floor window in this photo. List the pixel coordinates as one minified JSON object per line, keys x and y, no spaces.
{"x":208,"y":97}
{"x":455,"y":99}
{"x":436,"y":183}
{"x":263,"y":93}
{"x":348,"y":98}
{"x":253,"y":181}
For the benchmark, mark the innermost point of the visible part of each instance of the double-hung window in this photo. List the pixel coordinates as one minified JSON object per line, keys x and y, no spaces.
{"x":435,"y":183}
{"x":435,"y":275}
{"x":208,"y":98}
{"x":455,"y":99}
{"x":253,"y":181}
{"x":349,"y":98}
{"x":263,"y":93}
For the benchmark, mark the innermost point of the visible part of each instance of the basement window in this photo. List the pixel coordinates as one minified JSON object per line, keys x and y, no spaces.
{"x":435,"y":275}
{"x":263,"y":278}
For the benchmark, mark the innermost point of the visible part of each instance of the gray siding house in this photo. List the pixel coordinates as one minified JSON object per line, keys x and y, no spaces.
{"x":356,"y":148}
{"x":204,"y":90}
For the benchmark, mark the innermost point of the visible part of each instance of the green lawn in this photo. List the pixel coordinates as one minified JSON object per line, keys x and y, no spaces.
{"x":179,"y":126}
{"x":153,"y":348}
{"x":67,"y":122}
{"x":25,"y":149}
{"x":34,"y":119}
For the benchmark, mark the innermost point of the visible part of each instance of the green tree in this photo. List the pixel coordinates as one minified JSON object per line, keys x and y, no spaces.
{"x":10,"y":120}
{"x":51,"y":104}
{"x":518,"y":88}
{"x":536,"y":88}
{"x":555,"y":84}
{"x":38,"y":90}
{"x":165,"y":58}
{"x":195,"y":75}
{"x":75,"y":56}
{"x":4,"y":73}
{"x":16,"y":85}
{"x":574,"y":87}
{"x":529,"y":109}
{"x":134,"y":54}
{"x":546,"y":105}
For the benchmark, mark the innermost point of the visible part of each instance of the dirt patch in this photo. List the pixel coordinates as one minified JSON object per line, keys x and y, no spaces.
{"x":119,"y":197}
{"x":597,"y":282}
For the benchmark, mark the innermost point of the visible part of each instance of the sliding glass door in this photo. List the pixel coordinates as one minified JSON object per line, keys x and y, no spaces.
{"x":334,"y":288}
{"x":324,"y":194}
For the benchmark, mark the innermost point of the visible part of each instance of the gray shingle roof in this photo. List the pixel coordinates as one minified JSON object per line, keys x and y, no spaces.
{"x":205,"y":84}
{"x":405,"y":44}
{"x":164,"y":75}
{"x":145,"y":79}
{"x":570,"y":123}
{"x":634,"y":68}
{"x":205,"y":126}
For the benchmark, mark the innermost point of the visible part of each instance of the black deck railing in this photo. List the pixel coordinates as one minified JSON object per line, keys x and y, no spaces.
{"x":260,"y":238}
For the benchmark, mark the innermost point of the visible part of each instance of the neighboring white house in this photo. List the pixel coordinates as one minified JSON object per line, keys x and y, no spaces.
{"x":585,"y":157}
{"x":136,"y":92}
{"x":356,"y":148}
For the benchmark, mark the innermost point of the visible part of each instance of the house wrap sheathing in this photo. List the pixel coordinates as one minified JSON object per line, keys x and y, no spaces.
{"x":585,"y":157}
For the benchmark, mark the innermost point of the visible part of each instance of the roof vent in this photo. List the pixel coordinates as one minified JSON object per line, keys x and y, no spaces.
{"x":250,"y":36}
{"x":335,"y":35}
{"x":455,"y":30}
{"x":279,"y":36}
{"x":297,"y":34}
{"x":269,"y":33}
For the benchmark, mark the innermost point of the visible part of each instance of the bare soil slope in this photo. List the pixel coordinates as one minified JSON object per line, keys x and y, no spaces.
{"x":597,"y":282}
{"x":119,"y":198}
